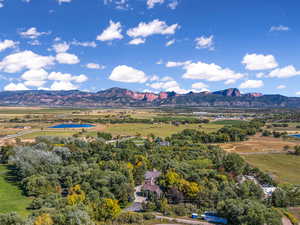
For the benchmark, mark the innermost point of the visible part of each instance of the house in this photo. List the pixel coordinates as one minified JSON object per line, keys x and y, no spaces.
{"x":268,"y":190}
{"x":150,"y":185}
{"x":164,"y":143}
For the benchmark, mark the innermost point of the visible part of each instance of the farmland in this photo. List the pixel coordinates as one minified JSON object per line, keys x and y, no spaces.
{"x":260,"y":144}
{"x":285,"y":168}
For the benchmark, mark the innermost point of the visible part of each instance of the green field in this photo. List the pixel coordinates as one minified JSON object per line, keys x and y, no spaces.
{"x":284,"y":167}
{"x":162,"y":130}
{"x":229,"y":122}
{"x":11,"y":198}
{"x":131,"y":129}
{"x":63,"y":133}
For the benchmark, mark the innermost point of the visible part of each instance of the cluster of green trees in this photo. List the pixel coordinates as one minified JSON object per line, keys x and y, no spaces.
{"x":77,"y":182}
{"x":275,"y":134}
{"x":232,"y":133}
{"x":165,"y":119}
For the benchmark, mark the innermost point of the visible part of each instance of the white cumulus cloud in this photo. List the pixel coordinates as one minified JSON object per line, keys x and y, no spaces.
{"x":32,"y":33}
{"x":154,"y":27}
{"x":285,"y":72}
{"x":199,"y":86}
{"x":112,"y":32}
{"x":25,"y":60}
{"x":34,"y":83}
{"x":67,"y":58}
{"x":209,"y":72}
{"x":35,"y":75}
{"x":177,"y":64}
{"x":90,"y":44}
{"x":7,"y":44}
{"x":63,"y":85}
{"x":152,"y":3}
{"x":128,"y":74}
{"x":259,"y":62}
{"x":252,"y":84}
{"x":205,"y":42}
{"x":137,"y":41}
{"x":58,"y":76}
{"x":61,"y":47}
{"x":15,"y":87}
{"x":173,"y":5}
{"x":95,"y":66}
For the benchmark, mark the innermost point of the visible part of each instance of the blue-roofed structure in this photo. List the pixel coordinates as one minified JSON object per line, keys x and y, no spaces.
{"x":214,"y":218}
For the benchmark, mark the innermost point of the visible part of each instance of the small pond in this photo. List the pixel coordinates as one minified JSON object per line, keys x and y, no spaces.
{"x":71,"y":125}
{"x":295,"y":135}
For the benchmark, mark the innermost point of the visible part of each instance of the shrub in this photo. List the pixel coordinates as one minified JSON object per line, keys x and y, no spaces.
{"x":148,"y":216}
{"x":130,"y":218}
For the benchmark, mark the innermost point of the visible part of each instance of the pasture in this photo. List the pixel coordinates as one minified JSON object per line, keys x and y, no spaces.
{"x":284,"y":168}
{"x":11,"y":198}
{"x":161,"y":130}
{"x":258,"y":143}
{"x":127,"y":129}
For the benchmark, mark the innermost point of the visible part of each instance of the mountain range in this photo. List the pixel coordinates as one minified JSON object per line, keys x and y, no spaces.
{"x":120,"y":97}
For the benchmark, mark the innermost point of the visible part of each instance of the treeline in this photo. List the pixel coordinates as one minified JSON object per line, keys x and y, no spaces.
{"x":122,"y":119}
{"x":238,"y":132}
{"x":128,"y":119}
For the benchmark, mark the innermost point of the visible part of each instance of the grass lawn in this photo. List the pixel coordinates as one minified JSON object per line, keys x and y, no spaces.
{"x":11,"y":198}
{"x":284,"y":167}
{"x":162,"y":130}
{"x":63,"y":133}
{"x":229,"y":122}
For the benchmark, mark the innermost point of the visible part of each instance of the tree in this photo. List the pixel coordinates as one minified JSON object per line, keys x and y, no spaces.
{"x":247,"y":212}
{"x":234,"y":163}
{"x":44,"y":219}
{"x":105,"y":136}
{"x":297,"y":150}
{"x":11,"y":219}
{"x":106,"y":209}
{"x":76,"y":195}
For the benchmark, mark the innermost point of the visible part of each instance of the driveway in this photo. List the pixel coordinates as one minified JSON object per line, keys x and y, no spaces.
{"x":138,"y":201}
{"x":184,"y":221}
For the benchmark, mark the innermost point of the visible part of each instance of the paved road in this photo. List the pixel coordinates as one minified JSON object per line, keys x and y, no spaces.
{"x":184,"y":221}
{"x":120,"y":140}
{"x":286,"y":221}
{"x":261,"y":153}
{"x":21,"y":133}
{"x":138,"y":201}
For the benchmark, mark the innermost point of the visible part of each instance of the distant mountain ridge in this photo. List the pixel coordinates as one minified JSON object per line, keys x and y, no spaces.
{"x":120,"y":97}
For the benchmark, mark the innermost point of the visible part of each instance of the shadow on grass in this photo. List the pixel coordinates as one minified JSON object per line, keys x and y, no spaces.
{"x":11,"y":176}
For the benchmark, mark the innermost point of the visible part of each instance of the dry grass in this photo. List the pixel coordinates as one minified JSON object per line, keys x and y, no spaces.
{"x":258,"y":143}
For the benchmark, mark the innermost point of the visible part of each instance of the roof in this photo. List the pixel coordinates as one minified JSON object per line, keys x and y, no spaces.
{"x":153,"y":188}
{"x":152,"y":174}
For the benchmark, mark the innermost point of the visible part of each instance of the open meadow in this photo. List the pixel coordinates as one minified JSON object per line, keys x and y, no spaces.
{"x":260,"y":144}
{"x":11,"y":197}
{"x":284,"y":168}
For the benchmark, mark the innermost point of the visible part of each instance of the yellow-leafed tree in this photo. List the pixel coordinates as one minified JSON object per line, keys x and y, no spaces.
{"x":44,"y":219}
{"x":76,"y":195}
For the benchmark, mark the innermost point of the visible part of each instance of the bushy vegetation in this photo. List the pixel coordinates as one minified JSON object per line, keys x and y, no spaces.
{"x":84,"y":182}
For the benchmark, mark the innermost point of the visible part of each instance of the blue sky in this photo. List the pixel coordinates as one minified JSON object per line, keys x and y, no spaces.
{"x":150,"y":45}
